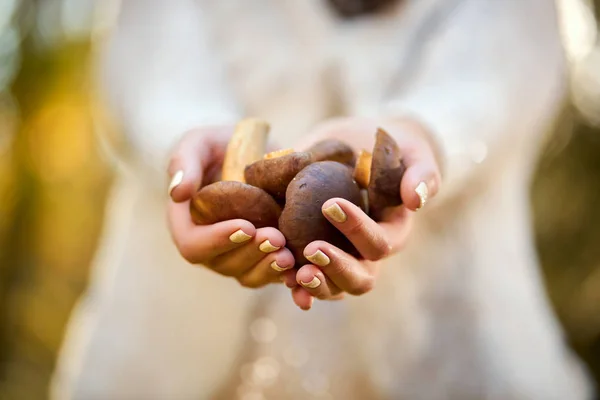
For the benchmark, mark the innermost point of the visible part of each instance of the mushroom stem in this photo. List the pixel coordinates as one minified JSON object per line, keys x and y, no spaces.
{"x":232,"y":198}
{"x":278,"y":153}
{"x":362,"y":171}
{"x":246,"y":146}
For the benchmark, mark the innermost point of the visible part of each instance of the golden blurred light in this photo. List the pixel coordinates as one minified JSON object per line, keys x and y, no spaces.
{"x":59,"y":142}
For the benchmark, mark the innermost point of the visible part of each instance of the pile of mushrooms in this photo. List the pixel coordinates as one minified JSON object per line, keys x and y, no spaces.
{"x":286,"y":189}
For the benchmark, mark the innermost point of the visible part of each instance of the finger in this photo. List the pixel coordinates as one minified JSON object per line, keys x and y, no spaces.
{"x":302,"y":298}
{"x":201,"y":243}
{"x":421,"y":180}
{"x":268,"y":270}
{"x":289,"y":278}
{"x":195,"y":154}
{"x":242,"y":259}
{"x":397,"y":222}
{"x":316,"y":283}
{"x":366,"y":235}
{"x":346,"y":272}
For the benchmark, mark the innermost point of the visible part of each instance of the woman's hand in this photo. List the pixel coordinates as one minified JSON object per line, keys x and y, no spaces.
{"x":334,"y":272}
{"x":255,"y":257}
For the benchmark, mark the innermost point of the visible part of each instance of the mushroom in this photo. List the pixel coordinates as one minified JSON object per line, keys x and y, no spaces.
{"x":277,"y":169}
{"x":232,"y":198}
{"x":274,"y":173}
{"x":333,"y":150}
{"x":381,"y":174}
{"x":302,"y":220}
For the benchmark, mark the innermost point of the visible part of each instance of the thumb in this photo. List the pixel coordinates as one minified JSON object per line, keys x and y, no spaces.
{"x":185,"y":172}
{"x":420,"y":184}
{"x":421,"y":180}
{"x":192,"y":157}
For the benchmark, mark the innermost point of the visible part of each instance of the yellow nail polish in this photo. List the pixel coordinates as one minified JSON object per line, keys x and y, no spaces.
{"x":315,"y":283}
{"x":319,"y":258}
{"x":276,"y":267}
{"x":336,"y":213}
{"x":267,"y":247}
{"x":175,"y":181}
{"x":423,"y":193}
{"x":239,"y":236}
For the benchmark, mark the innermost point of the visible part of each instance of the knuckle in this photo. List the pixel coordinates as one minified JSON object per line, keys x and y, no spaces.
{"x":338,"y":268}
{"x":365,"y":286}
{"x":250,"y":283}
{"x":380,"y":249}
{"x":187,"y":251}
{"x":321,"y":296}
{"x":356,"y":227}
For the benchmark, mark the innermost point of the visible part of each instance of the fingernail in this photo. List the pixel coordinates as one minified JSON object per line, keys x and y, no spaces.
{"x":239,"y":236}
{"x":422,"y":192}
{"x":175,"y":181}
{"x":319,"y":258}
{"x":315,"y":283}
{"x":277,"y":268}
{"x":336,"y":213}
{"x":267,"y":247}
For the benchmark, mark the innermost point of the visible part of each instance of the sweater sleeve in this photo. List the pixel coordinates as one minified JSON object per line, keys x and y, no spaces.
{"x":490,"y":78}
{"x":160,"y":76}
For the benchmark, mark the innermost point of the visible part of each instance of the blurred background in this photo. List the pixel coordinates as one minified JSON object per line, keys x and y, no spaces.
{"x":54,"y":180}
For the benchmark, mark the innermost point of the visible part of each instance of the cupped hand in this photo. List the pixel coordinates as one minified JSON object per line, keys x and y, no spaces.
{"x":235,"y":248}
{"x":334,"y":272}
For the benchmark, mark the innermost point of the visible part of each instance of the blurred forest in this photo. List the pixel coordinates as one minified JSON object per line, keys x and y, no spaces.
{"x":53,"y":183}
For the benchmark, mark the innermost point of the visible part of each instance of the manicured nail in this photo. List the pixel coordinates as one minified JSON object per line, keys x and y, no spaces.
{"x":239,"y":236}
{"x":319,"y":258}
{"x":277,"y":268}
{"x":175,"y":181}
{"x":336,"y":213}
{"x":315,"y":283}
{"x":267,"y":247}
{"x":422,"y":192}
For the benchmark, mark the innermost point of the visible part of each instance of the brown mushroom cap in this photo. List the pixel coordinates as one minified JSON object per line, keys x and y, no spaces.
{"x":273,"y":175}
{"x":232,"y":198}
{"x":386,"y":174}
{"x":302,"y":220}
{"x":222,"y":201}
{"x":333,"y":150}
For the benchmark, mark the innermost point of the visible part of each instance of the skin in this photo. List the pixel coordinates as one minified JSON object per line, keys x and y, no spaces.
{"x":199,"y":155}
{"x":200,"y":152}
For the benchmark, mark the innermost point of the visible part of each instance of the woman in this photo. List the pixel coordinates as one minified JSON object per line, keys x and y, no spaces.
{"x":468,"y":88}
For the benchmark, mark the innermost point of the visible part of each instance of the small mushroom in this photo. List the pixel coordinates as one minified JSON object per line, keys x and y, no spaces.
{"x":333,"y":150}
{"x":381,"y":174}
{"x":274,"y":173}
{"x":232,"y":198}
{"x":302,"y":220}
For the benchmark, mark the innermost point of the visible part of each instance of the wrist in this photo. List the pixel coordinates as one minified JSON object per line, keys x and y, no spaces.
{"x":412,"y":135}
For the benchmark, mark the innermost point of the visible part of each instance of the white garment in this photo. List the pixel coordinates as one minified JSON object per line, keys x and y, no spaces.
{"x":461,"y":313}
